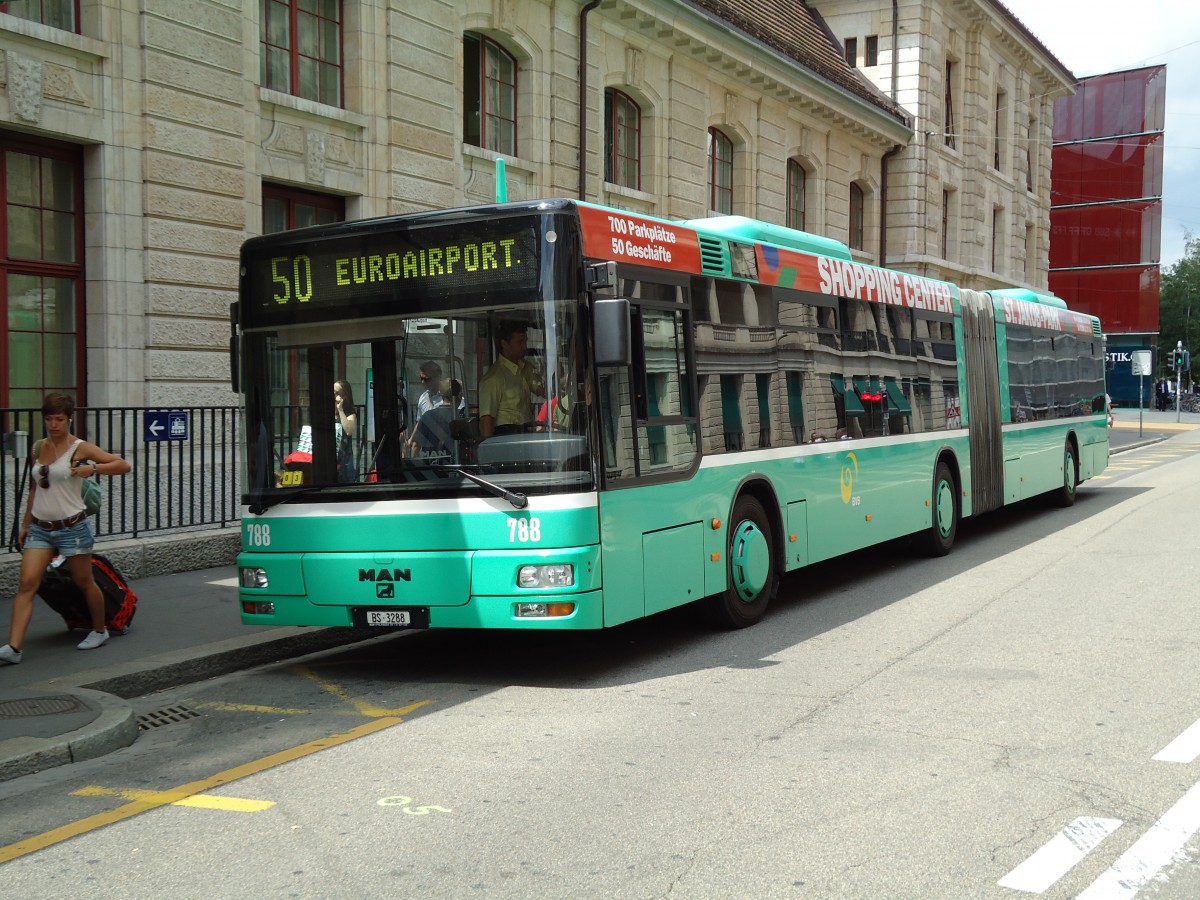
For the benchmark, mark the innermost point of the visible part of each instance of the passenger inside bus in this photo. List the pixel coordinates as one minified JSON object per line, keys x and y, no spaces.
{"x":443,"y":396}
{"x":434,"y":434}
{"x":507,"y":388}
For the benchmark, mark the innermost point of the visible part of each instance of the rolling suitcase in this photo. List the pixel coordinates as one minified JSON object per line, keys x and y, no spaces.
{"x":62,"y":596}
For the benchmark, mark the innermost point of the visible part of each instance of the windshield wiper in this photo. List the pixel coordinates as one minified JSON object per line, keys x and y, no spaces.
{"x":260,"y":504}
{"x":516,"y":498}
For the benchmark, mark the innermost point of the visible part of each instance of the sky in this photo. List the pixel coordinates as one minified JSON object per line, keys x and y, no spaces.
{"x":1092,"y":37}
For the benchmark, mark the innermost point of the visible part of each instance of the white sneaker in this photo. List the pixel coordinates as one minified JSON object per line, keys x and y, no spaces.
{"x":93,"y":640}
{"x":9,"y":655}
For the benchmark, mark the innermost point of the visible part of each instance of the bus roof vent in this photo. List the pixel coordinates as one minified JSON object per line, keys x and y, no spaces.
{"x":740,"y":228}
{"x":1096,"y":329}
{"x":714,"y":256}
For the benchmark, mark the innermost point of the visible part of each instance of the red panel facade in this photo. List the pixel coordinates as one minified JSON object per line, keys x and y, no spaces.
{"x":1130,"y":102}
{"x":1125,"y":299}
{"x":1106,"y":198}
{"x":1113,"y":169}
{"x":1108,"y":234}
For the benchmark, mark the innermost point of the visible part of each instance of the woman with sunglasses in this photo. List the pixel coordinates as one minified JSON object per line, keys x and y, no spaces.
{"x":56,"y":521}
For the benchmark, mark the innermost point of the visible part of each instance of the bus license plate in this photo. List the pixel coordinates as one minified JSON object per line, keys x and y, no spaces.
{"x":388,"y":618}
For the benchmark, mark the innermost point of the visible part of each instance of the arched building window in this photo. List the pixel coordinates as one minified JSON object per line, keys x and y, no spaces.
{"x":622,"y":140}
{"x":302,"y":49}
{"x":489,"y":95}
{"x":720,"y":172}
{"x":797,"y":180}
{"x":948,"y":119}
{"x":41,"y":271}
{"x":857,"y":214}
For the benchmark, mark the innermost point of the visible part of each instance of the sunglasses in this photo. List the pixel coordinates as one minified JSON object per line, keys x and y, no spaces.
{"x":44,"y":477}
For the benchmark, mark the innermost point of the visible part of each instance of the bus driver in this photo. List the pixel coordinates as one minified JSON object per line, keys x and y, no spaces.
{"x":506,"y":388}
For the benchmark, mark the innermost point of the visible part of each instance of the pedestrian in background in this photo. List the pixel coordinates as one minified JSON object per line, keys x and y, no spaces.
{"x":56,"y":521}
{"x":344,"y":427}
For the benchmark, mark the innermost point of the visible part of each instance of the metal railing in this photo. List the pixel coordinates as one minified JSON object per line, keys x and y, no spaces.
{"x":177,"y":483}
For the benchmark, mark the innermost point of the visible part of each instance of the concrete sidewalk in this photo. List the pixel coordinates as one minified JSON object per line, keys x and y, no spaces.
{"x":62,"y":705}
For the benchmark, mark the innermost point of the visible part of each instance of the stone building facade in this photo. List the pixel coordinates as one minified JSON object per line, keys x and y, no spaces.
{"x":971,"y":192}
{"x":144,"y":141}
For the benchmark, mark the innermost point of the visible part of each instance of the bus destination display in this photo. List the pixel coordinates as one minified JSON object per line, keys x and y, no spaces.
{"x":431,"y":268}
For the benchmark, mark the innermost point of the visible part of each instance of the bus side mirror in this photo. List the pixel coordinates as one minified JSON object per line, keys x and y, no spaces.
{"x":610,"y":325}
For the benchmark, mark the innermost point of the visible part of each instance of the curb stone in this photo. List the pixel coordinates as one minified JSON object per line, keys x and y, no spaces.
{"x":113,"y":728}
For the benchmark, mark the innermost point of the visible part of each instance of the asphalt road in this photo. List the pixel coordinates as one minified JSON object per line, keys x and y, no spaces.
{"x":1017,"y":718}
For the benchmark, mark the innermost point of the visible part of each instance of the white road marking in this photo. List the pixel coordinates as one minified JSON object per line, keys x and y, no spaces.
{"x":1059,"y":855}
{"x":1157,"y":848}
{"x":1184,"y":749}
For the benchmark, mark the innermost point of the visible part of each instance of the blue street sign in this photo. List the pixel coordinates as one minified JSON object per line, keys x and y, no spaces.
{"x":165,"y":425}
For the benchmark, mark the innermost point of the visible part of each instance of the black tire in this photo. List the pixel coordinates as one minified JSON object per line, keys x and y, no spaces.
{"x":1065,"y":496}
{"x":938,"y":539}
{"x":750,"y":565}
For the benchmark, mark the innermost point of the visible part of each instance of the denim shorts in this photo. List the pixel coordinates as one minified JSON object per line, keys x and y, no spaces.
{"x":73,"y":541}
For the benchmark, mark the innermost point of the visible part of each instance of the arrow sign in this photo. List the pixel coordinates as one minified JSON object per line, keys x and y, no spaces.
{"x":165,"y":425}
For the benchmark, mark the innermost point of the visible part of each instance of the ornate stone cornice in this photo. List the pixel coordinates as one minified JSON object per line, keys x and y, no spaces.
{"x":684,"y":28}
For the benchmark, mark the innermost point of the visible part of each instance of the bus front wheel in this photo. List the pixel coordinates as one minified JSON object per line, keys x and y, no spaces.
{"x":939,"y":538}
{"x":750,"y":566}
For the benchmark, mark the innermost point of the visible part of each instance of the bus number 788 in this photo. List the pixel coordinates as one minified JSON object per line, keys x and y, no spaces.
{"x":523,"y":531}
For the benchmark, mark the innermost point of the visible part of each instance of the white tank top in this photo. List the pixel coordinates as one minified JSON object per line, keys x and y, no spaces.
{"x":63,"y":498}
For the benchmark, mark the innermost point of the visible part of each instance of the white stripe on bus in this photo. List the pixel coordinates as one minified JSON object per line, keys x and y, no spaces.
{"x":814,"y":448}
{"x":441,"y":505}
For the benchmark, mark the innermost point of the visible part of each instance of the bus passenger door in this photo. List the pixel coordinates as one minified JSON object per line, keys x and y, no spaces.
{"x":651,"y":529}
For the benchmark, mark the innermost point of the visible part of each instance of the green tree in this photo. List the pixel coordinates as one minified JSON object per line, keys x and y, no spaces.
{"x":1179,"y":307}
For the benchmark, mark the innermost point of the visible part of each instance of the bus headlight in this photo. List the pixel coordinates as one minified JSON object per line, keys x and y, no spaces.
{"x":556,"y":575}
{"x":253,"y":577}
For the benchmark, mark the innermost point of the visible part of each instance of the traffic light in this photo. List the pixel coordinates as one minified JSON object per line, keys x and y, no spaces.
{"x":1179,"y":359}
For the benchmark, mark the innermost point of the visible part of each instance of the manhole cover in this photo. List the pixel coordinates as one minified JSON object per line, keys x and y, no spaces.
{"x":41,"y":706}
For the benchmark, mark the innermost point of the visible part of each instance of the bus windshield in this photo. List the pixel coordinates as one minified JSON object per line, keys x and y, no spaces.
{"x":410,"y":405}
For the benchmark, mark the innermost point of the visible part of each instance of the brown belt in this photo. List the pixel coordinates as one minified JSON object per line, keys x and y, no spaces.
{"x":57,"y":524}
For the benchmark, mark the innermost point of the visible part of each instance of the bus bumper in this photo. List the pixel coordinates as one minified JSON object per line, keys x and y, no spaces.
{"x":477,"y":612}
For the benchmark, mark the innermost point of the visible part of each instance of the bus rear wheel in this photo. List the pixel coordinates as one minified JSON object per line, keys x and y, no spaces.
{"x":939,"y":537}
{"x":750,"y":566}
{"x":1065,"y":495}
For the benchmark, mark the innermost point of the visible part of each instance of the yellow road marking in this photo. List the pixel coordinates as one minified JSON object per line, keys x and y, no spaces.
{"x":164,"y":798}
{"x":365,"y":708}
{"x":1157,"y":426}
{"x":250,"y":707}
{"x":206,"y":801}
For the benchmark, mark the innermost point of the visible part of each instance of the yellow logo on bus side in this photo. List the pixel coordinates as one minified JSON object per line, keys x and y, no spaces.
{"x":849,"y":473}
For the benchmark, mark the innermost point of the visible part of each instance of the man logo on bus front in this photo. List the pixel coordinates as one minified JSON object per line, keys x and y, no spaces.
{"x":385,"y":591}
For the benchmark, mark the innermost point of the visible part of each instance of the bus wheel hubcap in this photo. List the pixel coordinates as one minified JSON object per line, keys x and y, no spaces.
{"x":751,"y":559}
{"x":945,"y":508}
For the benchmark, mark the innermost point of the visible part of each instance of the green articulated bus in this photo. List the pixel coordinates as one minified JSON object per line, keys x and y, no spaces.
{"x":679,"y":412}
